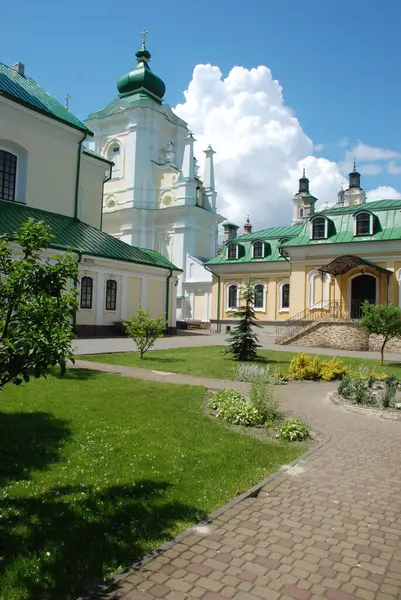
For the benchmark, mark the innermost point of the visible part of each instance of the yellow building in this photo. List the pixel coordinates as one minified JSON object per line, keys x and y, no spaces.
{"x":318,"y":270}
{"x":47,"y":173}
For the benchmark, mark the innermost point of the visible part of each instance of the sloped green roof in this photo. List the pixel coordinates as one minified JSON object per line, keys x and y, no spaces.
{"x":28,"y":92}
{"x":118,"y":105}
{"x":271,"y":237}
{"x":74,"y":235}
{"x":90,"y":152}
{"x":387,"y":224}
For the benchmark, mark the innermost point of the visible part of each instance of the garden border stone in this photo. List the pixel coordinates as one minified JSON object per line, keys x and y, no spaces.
{"x":390,"y":414}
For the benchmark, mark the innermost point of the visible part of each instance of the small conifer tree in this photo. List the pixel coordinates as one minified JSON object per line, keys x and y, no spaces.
{"x":242,"y":339}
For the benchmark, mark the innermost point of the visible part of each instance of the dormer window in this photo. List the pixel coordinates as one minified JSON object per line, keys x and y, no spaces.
{"x":258,"y":250}
{"x":232,"y":251}
{"x":319,"y":228}
{"x":364,"y":223}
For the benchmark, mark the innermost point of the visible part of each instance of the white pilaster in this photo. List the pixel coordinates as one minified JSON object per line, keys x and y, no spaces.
{"x":188,"y":163}
{"x":124,"y":297}
{"x":100,"y":299}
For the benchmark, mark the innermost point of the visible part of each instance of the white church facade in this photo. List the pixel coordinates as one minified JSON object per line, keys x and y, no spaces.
{"x":156,"y":198}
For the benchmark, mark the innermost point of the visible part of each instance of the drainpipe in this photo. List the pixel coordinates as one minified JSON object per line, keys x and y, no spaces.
{"x":101,"y":205}
{"x":168,"y":293}
{"x":77,"y":176}
{"x":218,"y":325}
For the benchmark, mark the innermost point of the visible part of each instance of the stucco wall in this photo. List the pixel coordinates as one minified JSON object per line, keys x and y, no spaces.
{"x":156,"y":291}
{"x":91,"y":196}
{"x":134,"y":296}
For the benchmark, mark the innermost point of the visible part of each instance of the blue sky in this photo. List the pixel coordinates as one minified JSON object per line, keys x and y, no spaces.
{"x":337,"y":60}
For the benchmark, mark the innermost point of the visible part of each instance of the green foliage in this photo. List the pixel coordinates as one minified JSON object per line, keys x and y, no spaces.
{"x":363,"y":388}
{"x":304,"y":366}
{"x":36,"y":307}
{"x":383,"y":320}
{"x":144,"y":330}
{"x":235,"y":408}
{"x":242,"y":339}
{"x":264,"y":399}
{"x":293,"y":430}
{"x":250,"y":372}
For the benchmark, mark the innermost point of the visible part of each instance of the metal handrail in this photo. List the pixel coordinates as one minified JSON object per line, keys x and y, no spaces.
{"x":322,"y":311}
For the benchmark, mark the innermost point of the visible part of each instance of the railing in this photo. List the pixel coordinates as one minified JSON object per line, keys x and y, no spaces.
{"x":322,"y":311}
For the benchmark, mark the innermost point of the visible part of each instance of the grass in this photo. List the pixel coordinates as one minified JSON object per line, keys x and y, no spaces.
{"x":96,"y":470}
{"x":210,"y":361}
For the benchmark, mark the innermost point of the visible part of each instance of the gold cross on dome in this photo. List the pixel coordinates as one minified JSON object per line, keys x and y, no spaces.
{"x":144,"y":33}
{"x":67,"y":101}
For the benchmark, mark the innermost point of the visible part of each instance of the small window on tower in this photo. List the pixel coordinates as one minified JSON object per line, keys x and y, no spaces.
{"x":301,"y":212}
{"x":114,"y":155}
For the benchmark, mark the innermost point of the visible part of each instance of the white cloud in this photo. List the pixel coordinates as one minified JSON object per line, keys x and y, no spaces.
{"x":382,"y":192}
{"x":393,"y":168}
{"x":371,"y":169}
{"x":318,"y":147}
{"x":261,"y":147}
{"x":370,"y":153}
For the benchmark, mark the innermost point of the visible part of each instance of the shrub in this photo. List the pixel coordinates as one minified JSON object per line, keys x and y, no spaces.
{"x":303,"y":366}
{"x":264,"y":399}
{"x":145,"y":330}
{"x":235,"y":408}
{"x":293,"y":430}
{"x":221,"y":397}
{"x":332,"y":369}
{"x":250,"y":372}
{"x":354,"y":389}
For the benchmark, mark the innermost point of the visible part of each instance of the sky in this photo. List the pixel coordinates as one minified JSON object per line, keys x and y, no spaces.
{"x":273,"y":85}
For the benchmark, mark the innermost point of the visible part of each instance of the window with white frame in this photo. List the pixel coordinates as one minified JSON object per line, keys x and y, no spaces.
{"x":232,"y":296}
{"x":114,"y":155}
{"x":284,"y":296}
{"x":301,"y":212}
{"x":13,"y":171}
{"x":319,"y":228}
{"x":259,"y":296}
{"x":86,"y":292}
{"x":258,"y":249}
{"x":318,"y":290}
{"x":232,"y":251}
{"x":111,"y":294}
{"x":8,"y":175}
{"x":363,"y":224}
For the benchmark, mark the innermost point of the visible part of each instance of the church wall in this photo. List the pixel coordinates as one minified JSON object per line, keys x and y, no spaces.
{"x":134,"y":297}
{"x":155,"y":298}
{"x":93,"y":174}
{"x":47,"y":157}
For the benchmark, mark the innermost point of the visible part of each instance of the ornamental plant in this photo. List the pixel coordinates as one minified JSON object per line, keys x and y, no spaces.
{"x":243,"y":342}
{"x":144,"y":330}
{"x":37,"y":306}
{"x":293,"y":430}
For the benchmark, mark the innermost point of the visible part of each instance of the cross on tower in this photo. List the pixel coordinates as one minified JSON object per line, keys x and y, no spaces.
{"x":67,"y":99}
{"x":144,"y":33}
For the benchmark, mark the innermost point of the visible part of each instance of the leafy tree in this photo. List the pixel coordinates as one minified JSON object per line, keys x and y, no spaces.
{"x":144,"y":330}
{"x":381,"y":319}
{"x":36,"y":307}
{"x":243,"y":341}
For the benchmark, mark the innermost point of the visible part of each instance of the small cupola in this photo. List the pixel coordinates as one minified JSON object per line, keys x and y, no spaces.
{"x":303,"y":184}
{"x":141,"y":80}
{"x":354,"y":178}
{"x":247,"y":227}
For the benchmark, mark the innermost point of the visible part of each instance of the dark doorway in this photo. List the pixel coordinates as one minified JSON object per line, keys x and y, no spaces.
{"x":363,"y":288}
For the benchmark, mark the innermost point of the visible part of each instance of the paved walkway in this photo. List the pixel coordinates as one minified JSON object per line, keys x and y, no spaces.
{"x":188,"y":339}
{"x":327,"y":528}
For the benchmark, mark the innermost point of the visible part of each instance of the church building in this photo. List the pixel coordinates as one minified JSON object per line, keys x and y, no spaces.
{"x":156,"y":197}
{"x":311,"y":277}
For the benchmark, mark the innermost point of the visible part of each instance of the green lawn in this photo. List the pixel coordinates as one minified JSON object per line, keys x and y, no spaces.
{"x":210,"y":361}
{"x":96,"y":470}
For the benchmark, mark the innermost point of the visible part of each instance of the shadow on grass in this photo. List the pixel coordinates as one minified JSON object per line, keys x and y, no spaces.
{"x":29,"y":441}
{"x":58,"y":544}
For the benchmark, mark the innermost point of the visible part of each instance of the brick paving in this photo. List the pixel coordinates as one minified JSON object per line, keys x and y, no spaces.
{"x":327,"y":528}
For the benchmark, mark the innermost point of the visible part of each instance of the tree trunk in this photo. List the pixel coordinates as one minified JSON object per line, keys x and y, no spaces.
{"x":382,"y":351}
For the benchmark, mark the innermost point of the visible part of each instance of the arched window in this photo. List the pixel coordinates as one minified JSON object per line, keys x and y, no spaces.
{"x":232,"y":251}
{"x":284,"y":296}
{"x":8,"y":175}
{"x":258,"y":250}
{"x":363,"y":224}
{"x":232,"y":296}
{"x":111,"y":294}
{"x":86,"y":292}
{"x":319,"y":228}
{"x":301,"y":212}
{"x":114,"y":154}
{"x":259,"y":298}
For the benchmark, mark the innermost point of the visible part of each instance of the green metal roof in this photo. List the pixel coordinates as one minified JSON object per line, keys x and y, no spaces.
{"x":271,"y":237}
{"x":74,"y":235}
{"x":387,"y":224}
{"x":26,"y":91}
{"x":90,"y":152}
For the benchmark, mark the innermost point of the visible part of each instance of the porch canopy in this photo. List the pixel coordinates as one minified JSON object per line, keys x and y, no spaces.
{"x":343,"y":264}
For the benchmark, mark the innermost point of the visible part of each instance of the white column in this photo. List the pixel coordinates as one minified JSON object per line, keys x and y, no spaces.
{"x":188,"y":163}
{"x":191,"y":314}
{"x":207,"y":306}
{"x":144,"y":293}
{"x":124,"y":297}
{"x":208,"y":174}
{"x":100,"y":299}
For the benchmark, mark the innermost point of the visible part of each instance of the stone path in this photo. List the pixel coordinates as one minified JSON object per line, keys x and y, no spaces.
{"x":327,"y":528}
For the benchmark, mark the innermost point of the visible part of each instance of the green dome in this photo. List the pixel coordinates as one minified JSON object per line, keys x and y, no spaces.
{"x":141,"y":79}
